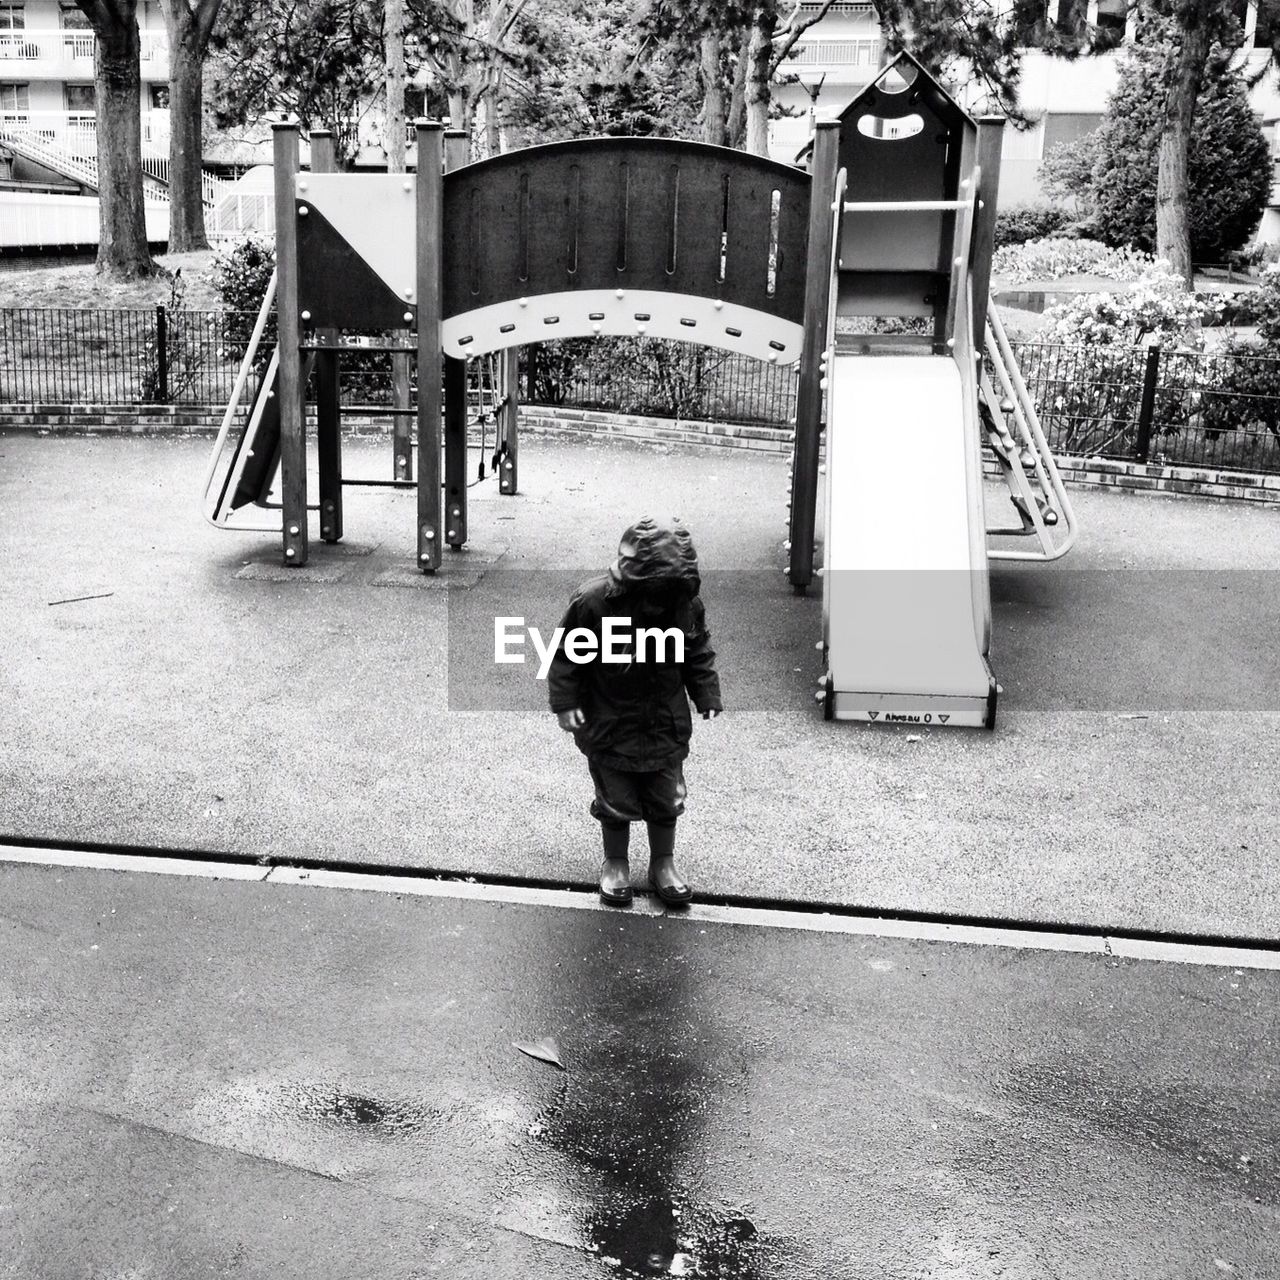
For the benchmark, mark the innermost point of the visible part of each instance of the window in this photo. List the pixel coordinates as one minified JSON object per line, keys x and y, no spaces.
{"x":79,"y":97}
{"x":1069,"y":127}
{"x":73,"y":17}
{"x":15,"y":97}
{"x":13,"y":17}
{"x":158,"y":95}
{"x":1262,"y":37}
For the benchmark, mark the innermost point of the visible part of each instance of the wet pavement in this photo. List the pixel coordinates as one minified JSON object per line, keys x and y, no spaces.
{"x":207,"y":698}
{"x":228,"y":1077}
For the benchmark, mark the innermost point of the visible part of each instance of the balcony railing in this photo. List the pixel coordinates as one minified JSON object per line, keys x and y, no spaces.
{"x":837,"y":53}
{"x":69,"y":50}
{"x":76,"y":132}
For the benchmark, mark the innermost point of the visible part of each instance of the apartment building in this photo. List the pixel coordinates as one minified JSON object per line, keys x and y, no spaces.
{"x":841,"y":54}
{"x":47,"y":93}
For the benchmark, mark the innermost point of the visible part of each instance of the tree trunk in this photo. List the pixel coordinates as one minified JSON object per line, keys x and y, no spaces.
{"x":758,"y":93}
{"x":737,"y":121}
{"x":394,"y":134}
{"x":1173,"y":222}
{"x":459,"y":110}
{"x":492,"y":134}
{"x":714,"y":123}
{"x":186,"y":116}
{"x":122,"y":228}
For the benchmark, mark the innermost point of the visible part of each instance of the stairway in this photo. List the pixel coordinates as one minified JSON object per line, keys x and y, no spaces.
{"x":26,"y":141}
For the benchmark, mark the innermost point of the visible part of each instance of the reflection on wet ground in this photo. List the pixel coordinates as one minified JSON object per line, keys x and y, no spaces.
{"x":656,"y":1235}
{"x":343,"y":1110}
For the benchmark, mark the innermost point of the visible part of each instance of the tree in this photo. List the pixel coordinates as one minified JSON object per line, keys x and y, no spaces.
{"x":585,"y":72}
{"x":1193,"y":27}
{"x":468,"y":50}
{"x":740,"y":46}
{"x":1227,"y":180}
{"x":321,"y":62}
{"x":190,"y":25}
{"x":394,"y":134}
{"x":122,"y":228}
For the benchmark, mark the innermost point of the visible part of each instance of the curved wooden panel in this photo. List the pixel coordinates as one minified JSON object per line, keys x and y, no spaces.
{"x":626,"y":213}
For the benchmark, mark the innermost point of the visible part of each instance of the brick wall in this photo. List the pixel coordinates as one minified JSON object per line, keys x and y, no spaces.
{"x":1096,"y":473}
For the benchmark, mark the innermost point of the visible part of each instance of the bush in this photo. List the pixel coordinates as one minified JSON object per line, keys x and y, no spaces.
{"x":1229,"y":163}
{"x":241,"y":275}
{"x":1066,"y":172}
{"x":1268,"y":308}
{"x":1157,"y":307}
{"x":1058,"y":257}
{"x":652,"y":376}
{"x":1243,"y":394}
{"x":1018,"y":225}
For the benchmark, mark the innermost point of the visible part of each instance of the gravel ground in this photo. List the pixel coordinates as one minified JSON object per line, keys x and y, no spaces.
{"x":349,"y":710}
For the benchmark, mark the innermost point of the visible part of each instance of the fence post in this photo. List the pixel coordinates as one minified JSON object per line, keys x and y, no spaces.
{"x":162,"y":353}
{"x":1147,"y":409}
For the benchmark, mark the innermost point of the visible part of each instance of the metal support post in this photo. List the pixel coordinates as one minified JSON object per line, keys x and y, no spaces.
{"x":328,"y":399}
{"x":430,"y":232}
{"x":293,"y":438}
{"x":817,"y":298}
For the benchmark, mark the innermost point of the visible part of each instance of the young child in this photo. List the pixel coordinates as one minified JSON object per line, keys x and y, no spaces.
{"x":632,"y":720}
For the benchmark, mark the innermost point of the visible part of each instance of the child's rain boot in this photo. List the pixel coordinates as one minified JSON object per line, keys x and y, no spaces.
{"x":666,"y":880}
{"x":615,"y":871}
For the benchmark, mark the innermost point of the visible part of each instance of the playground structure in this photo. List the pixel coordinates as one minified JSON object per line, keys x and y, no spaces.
{"x":894,"y":217}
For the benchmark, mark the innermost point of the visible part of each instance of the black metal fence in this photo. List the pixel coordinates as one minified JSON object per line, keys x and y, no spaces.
{"x":662,"y":379}
{"x":118,"y":357}
{"x":1208,"y":409}
{"x":1193,"y":408}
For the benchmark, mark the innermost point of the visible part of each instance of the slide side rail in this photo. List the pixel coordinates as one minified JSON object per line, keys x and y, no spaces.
{"x":1027,"y":420}
{"x":210,"y":500}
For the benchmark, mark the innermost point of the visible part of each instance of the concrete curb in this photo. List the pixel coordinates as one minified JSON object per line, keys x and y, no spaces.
{"x":193,"y":420}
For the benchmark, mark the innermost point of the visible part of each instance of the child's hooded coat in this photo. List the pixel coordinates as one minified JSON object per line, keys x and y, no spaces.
{"x":637,"y":715}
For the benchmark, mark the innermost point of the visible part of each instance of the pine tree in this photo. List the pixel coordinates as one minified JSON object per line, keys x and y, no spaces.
{"x":1228,"y":170}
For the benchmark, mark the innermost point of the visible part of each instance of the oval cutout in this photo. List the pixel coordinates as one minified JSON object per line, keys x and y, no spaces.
{"x":884,"y":130}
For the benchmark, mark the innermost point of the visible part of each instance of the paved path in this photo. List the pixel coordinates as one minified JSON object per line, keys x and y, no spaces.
{"x":217,"y":1078}
{"x":348,"y":711}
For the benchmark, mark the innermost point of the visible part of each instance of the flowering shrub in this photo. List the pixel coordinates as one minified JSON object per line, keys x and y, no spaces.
{"x":1268,"y":308}
{"x":242,"y":272}
{"x":1051,"y":259}
{"x":1157,"y":307}
{"x":1092,"y":366}
{"x":241,"y":275}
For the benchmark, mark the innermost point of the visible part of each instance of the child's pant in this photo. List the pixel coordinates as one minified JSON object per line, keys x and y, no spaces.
{"x":655,"y":796}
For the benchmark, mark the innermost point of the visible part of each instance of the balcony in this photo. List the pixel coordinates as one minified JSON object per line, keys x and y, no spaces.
{"x":68,"y":55}
{"x":855,"y":59}
{"x":76,"y":132}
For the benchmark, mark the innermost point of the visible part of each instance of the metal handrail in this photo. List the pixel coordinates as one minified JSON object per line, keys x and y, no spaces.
{"x":1027,"y":420}
{"x":242,"y":378}
{"x":966,"y":357}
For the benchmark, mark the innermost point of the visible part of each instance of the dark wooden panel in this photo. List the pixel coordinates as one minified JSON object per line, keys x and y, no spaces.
{"x":336,"y":285}
{"x":636,"y":213}
{"x":913,"y":168}
{"x":746,"y":270}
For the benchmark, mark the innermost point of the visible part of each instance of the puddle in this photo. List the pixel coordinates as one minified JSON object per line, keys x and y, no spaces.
{"x":658,"y":1235}
{"x":357,"y":1111}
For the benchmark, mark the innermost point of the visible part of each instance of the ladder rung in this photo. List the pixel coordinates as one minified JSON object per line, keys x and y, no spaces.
{"x":903,"y":206}
{"x":379,"y":349}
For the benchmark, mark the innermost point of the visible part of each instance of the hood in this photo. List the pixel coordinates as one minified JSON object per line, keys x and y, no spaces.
{"x":651,"y":550}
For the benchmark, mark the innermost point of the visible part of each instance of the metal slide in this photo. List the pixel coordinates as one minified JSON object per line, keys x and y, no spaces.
{"x":906,"y":602}
{"x":243,"y":477}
